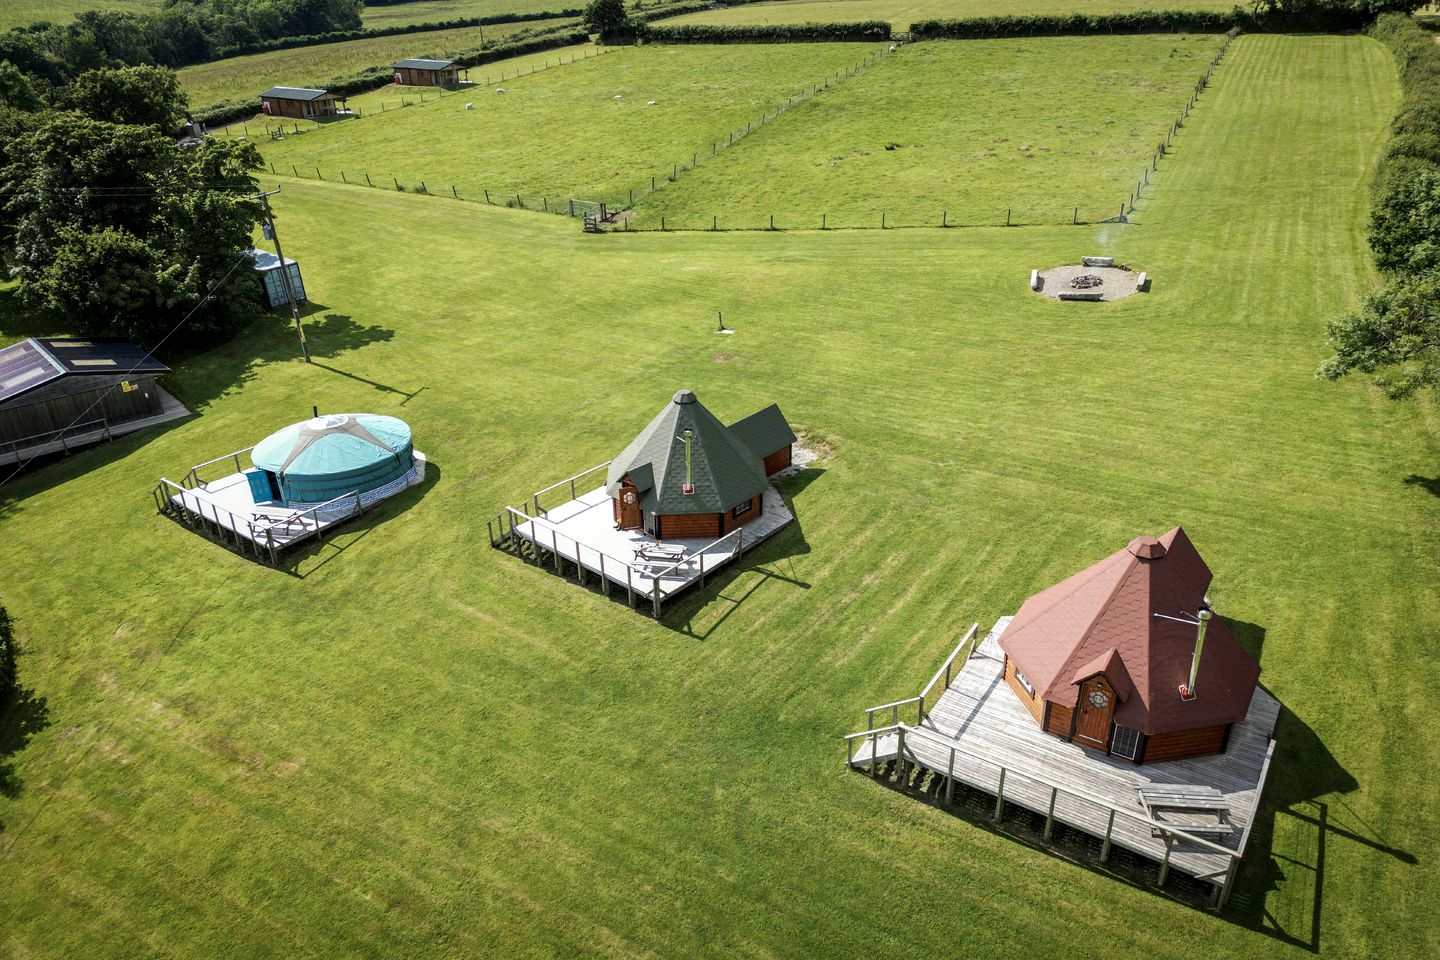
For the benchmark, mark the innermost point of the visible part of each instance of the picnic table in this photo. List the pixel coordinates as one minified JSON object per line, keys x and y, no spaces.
{"x":659,"y":553}
{"x":1194,"y":808}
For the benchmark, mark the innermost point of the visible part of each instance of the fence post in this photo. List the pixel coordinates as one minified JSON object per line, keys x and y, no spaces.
{"x":453,"y":192}
{"x":367,"y":181}
{"x":1076,"y":217}
{"x":342,"y":177}
{"x":487,"y":196}
{"x":293,"y":170}
{"x":1000,"y":795}
{"x":822,"y":221}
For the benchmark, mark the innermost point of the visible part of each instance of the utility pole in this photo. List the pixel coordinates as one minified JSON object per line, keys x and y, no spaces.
{"x":284,"y":271}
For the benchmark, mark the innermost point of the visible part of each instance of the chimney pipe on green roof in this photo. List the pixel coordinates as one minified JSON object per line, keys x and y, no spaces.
{"x":689,"y":487}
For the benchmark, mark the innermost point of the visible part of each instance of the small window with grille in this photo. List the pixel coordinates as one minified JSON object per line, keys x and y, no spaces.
{"x":1025,"y":682}
{"x":1125,"y":743}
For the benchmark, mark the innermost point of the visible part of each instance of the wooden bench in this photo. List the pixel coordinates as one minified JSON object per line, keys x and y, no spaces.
{"x":1091,"y":295}
{"x":1034,"y":279}
{"x":1143,"y":282}
{"x":1097,"y":261}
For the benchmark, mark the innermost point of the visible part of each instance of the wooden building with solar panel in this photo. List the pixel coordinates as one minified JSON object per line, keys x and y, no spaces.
{"x":59,"y":393}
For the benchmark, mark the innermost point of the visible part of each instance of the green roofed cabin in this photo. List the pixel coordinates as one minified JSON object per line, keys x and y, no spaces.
{"x":689,"y":475}
{"x":425,"y":73}
{"x":303,"y":103}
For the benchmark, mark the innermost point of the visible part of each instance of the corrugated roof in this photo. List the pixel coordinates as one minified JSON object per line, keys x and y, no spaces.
{"x":39,"y":360}
{"x":422,"y":64}
{"x":265,"y":260}
{"x":764,"y":431}
{"x":1076,"y":628}
{"x":724,"y":470}
{"x":295,"y":93}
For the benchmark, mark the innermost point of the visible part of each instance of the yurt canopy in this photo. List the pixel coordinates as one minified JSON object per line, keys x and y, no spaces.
{"x":326,"y":457}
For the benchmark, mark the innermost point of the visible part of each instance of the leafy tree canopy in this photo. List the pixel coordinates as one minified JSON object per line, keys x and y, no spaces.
{"x":610,"y":19}
{"x":1394,"y":337}
{"x":115,"y":229}
{"x":1405,"y":223}
{"x":144,"y":96}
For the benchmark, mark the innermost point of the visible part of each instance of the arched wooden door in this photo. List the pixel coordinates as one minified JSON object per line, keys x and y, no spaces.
{"x":630,"y":517}
{"x":1094,"y":712}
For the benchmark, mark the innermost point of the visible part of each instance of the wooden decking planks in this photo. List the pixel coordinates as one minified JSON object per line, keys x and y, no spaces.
{"x":988,"y":727}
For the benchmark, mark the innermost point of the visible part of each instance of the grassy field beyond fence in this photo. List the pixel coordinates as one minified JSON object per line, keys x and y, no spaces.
{"x":902,"y":13}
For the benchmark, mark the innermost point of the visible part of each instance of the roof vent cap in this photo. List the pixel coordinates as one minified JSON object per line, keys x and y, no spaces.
{"x":684,"y":396}
{"x":1146,"y":548}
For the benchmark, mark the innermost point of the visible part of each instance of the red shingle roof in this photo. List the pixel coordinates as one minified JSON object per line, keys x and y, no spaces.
{"x":1102,"y":620}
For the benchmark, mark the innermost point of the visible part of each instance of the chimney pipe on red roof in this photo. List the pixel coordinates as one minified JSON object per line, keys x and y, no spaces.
{"x":1203,"y":615}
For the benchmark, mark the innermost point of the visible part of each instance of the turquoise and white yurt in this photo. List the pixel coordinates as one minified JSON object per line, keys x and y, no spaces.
{"x":317,"y":460}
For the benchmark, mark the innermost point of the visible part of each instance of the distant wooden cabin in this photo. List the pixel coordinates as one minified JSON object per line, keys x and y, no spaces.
{"x":719,"y":487}
{"x":426,"y":73}
{"x":299,"y":102}
{"x":59,"y":393}
{"x":1103,"y":659}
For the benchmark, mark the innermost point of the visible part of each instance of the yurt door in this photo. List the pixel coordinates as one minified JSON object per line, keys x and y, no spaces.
{"x":630,"y":518}
{"x":1093,"y":715}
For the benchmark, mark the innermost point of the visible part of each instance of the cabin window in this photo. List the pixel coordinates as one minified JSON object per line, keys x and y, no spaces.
{"x":741,"y":510}
{"x":1125,"y":743}
{"x":1025,"y":682}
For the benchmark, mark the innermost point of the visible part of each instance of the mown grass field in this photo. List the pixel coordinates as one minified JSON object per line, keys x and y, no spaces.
{"x":562,"y":133}
{"x":1038,"y":125}
{"x":438,"y":11}
{"x":20,"y":13}
{"x":239,"y":78}
{"x":413,"y":745}
{"x":902,"y":13}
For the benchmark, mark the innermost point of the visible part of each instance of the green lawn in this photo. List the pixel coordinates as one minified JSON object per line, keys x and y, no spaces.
{"x":412,"y":745}
{"x":20,"y":13}
{"x":240,"y":78}
{"x":902,"y":13}
{"x":955,"y":129}
{"x":438,"y":11}
{"x":562,"y":133}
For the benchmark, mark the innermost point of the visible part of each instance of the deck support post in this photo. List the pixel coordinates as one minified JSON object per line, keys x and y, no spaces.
{"x":900,"y":756}
{"x":1165,"y":864}
{"x":655,"y":595}
{"x":629,"y":587}
{"x":1109,"y":829}
{"x":849,"y":753}
{"x":1050,"y":814}
{"x":874,"y":745}
{"x":579,"y":567}
{"x":604,"y":580}
{"x":950,"y":779}
{"x":555,"y":546}
{"x":1000,"y":795}
{"x":702,"y":569}
{"x":1222,"y":893}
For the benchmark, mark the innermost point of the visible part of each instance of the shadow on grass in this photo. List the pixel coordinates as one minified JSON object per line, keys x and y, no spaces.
{"x":24,"y":717}
{"x":1430,"y":485}
{"x":297,"y":563}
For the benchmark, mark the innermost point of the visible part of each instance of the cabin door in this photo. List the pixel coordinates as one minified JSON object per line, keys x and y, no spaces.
{"x":630,"y":515}
{"x":1094,"y":712}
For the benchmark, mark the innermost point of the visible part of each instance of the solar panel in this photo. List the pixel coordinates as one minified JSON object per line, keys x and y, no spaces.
{"x":23,"y":367}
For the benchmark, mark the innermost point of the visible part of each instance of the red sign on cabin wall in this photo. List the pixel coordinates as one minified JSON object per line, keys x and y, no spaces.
{"x":265,"y":107}
{"x":397,"y":77}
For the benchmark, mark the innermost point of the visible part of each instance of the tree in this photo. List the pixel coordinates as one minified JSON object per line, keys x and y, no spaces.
{"x":144,"y":96}
{"x":1394,"y":337}
{"x":16,"y":90}
{"x":7,"y":658}
{"x":115,"y":229}
{"x":1405,"y":224}
{"x":611,"y":20}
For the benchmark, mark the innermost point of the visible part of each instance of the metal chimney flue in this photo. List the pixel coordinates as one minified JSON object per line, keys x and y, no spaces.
{"x":1203,"y":615}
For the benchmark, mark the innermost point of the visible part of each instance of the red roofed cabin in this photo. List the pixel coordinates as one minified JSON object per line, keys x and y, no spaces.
{"x":687,"y":475}
{"x":1104,"y":659}
{"x":301,"y":102}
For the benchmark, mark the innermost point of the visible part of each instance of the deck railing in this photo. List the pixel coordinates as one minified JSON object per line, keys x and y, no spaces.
{"x":193,"y":479}
{"x":101,"y":424}
{"x":534,"y":499}
{"x":1171,"y":833}
{"x":247,"y":535}
{"x":947,"y":669}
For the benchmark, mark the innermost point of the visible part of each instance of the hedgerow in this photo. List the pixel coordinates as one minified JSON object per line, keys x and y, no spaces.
{"x":864,"y":31}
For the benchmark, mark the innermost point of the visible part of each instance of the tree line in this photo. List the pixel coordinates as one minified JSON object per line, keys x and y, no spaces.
{"x":1395,"y":335}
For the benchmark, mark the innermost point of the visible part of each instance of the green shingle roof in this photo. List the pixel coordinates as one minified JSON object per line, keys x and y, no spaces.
{"x":764,"y":431}
{"x":725,"y":469}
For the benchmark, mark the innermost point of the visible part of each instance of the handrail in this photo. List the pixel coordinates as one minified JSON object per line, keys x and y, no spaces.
{"x":1073,"y":791}
{"x":897,"y":703}
{"x":224,"y":457}
{"x":59,"y":432}
{"x":714,"y":543}
{"x":877,"y":730}
{"x":950,"y":660}
{"x":554,"y":528}
{"x":569,"y":479}
{"x":194,"y":475}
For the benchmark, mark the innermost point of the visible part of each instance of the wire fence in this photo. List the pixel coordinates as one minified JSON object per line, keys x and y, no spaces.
{"x":618,"y":214}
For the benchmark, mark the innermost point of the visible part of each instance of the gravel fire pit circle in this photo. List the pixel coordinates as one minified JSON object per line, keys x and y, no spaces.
{"x":1111,"y":283}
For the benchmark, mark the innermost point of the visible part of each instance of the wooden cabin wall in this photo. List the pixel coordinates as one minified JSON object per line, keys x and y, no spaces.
{"x":680,"y":526}
{"x":50,"y":408}
{"x":415,"y":77}
{"x":778,"y":460}
{"x":1060,"y":720}
{"x":1185,"y":743}
{"x":1032,"y":703}
{"x":753,"y":510}
{"x":323,"y":107}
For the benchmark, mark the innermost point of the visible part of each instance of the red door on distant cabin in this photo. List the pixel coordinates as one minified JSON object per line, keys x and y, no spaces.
{"x":630,"y":516}
{"x":1094,"y":712}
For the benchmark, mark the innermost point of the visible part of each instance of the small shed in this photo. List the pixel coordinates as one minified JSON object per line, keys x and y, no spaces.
{"x":1127,"y":659}
{"x":689,"y":475}
{"x":57,"y":393}
{"x":300,"y":102}
{"x":272,"y":282}
{"x":425,"y":73}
